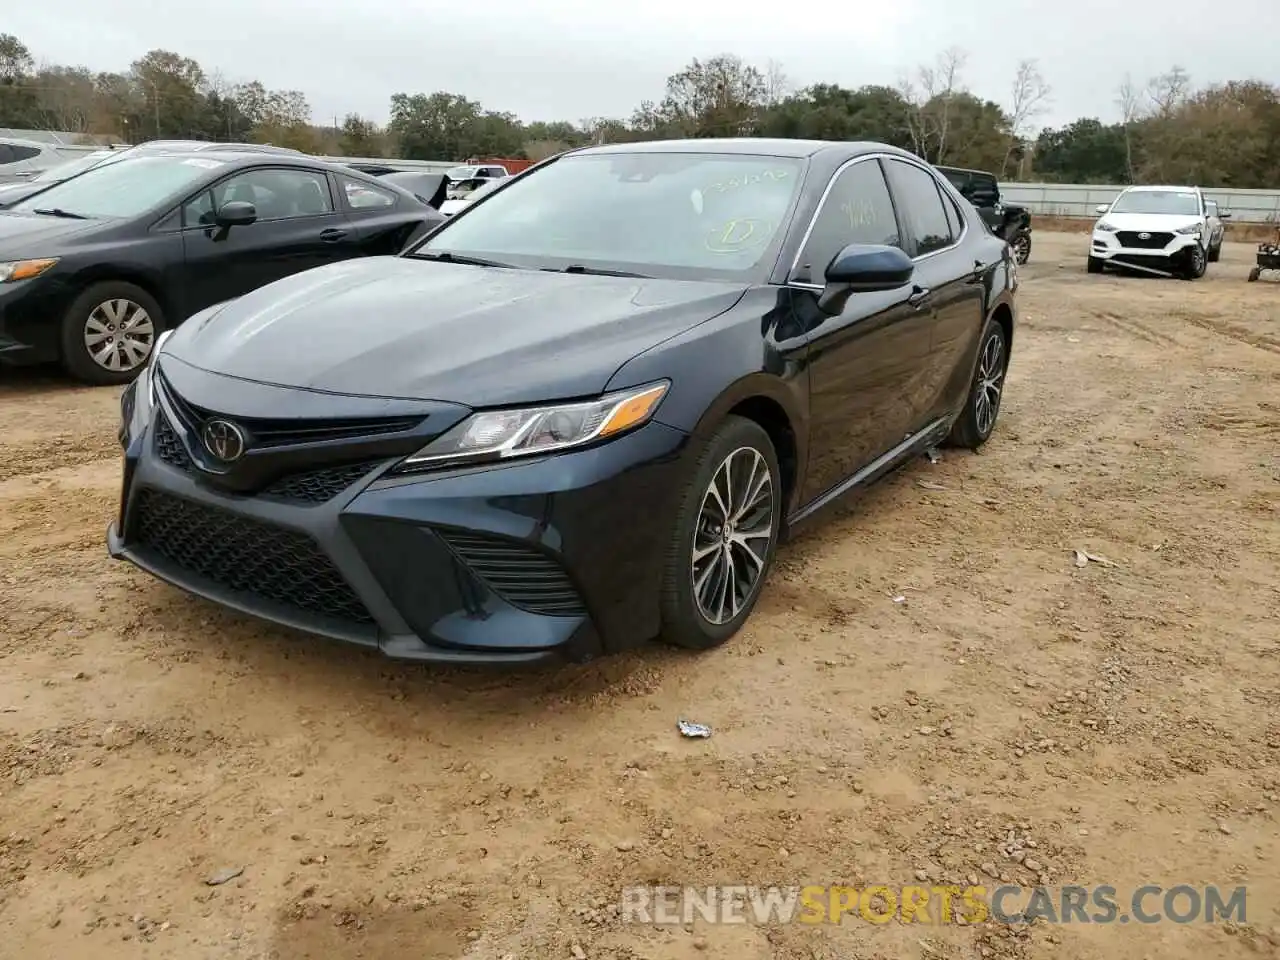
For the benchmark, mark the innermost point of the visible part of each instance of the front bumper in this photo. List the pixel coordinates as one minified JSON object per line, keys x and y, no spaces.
{"x":30,"y":317}
{"x":1156,"y":251}
{"x":557,"y":557}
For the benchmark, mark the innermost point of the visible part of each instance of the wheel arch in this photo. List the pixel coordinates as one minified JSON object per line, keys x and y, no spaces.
{"x":108,"y":273}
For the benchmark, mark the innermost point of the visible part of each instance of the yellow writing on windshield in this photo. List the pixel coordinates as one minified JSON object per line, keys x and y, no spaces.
{"x":748,"y":180}
{"x":736,"y":235}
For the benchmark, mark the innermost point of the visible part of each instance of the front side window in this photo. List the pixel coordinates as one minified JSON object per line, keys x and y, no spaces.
{"x":276,"y":194}
{"x":685,"y":215}
{"x":857,"y":210}
{"x":918,"y":191}
{"x":123,"y":189}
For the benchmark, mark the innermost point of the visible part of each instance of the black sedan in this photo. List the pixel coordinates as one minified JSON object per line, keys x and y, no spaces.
{"x":579,"y":415}
{"x":94,"y":268}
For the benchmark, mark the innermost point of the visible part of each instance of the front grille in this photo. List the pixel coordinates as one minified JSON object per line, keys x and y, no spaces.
{"x":270,"y":432}
{"x":521,"y":575}
{"x":1154,"y":241}
{"x":318,"y":486}
{"x":168,"y":447}
{"x":246,"y":556}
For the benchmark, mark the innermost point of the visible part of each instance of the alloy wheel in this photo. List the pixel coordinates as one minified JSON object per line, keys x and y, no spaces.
{"x":733,"y":533}
{"x":1022,"y":248}
{"x":986,"y":402}
{"x":119,"y":335}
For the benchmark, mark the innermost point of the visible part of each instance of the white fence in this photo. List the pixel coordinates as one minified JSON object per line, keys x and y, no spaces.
{"x":1081,"y":200}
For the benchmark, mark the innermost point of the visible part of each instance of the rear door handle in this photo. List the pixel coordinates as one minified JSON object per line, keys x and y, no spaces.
{"x":332,"y":235}
{"x":919,"y":297}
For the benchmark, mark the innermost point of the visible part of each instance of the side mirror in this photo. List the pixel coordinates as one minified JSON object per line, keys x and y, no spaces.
{"x":1224,"y":215}
{"x":863,"y":268}
{"x":236,"y":213}
{"x":1102,"y":207}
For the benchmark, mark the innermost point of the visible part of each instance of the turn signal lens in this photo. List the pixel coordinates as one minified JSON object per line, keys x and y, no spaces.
{"x":15,"y":270}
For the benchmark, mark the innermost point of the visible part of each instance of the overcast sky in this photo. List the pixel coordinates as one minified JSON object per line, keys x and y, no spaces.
{"x":570,"y":59}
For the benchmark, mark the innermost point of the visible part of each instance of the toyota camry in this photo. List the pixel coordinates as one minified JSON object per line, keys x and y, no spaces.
{"x":579,"y":415}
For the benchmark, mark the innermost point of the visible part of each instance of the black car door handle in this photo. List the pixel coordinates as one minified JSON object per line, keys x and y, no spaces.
{"x":332,"y":235}
{"x":919,"y":297}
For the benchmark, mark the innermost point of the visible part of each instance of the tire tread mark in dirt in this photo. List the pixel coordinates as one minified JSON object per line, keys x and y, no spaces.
{"x":1232,"y":332}
{"x":1138,"y":330}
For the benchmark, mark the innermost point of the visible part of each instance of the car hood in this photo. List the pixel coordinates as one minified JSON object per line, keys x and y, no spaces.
{"x":1153,"y":222}
{"x":480,"y":336}
{"x":29,"y":235}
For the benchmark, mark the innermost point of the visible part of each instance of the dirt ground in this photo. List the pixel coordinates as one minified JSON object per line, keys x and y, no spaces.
{"x":1120,"y":723}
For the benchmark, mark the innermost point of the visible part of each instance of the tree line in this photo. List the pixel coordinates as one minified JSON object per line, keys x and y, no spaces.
{"x":1222,"y":135}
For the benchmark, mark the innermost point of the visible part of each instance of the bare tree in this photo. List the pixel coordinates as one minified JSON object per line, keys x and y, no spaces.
{"x":929,"y":95}
{"x":1129,"y":100}
{"x":1030,"y":97}
{"x":1168,"y":91}
{"x":776,"y":84}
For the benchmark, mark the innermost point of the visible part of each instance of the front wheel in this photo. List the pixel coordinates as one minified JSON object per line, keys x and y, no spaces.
{"x":982,"y":406}
{"x":1022,"y":248}
{"x":108,"y":333}
{"x":1095,"y":265}
{"x":1215,"y":253}
{"x":1254,"y":274}
{"x":1194,"y":263}
{"x":725,"y":535}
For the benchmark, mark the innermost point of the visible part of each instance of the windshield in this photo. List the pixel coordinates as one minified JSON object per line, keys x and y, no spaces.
{"x":123,"y":189}
{"x":680,"y":215}
{"x":69,"y":169}
{"x":1178,"y":202}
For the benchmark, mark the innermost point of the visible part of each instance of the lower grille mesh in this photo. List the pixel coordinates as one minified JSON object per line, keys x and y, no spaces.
{"x":244,"y":555}
{"x":519,"y":574}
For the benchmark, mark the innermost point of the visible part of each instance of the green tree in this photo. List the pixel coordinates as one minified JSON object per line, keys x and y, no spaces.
{"x":360,"y":138}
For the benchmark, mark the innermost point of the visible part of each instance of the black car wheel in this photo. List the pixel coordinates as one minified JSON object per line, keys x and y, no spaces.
{"x":108,"y":333}
{"x":981,"y":409}
{"x":725,"y":535}
{"x":1022,"y":247}
{"x":1215,"y":253}
{"x":1095,"y":265}
{"x":1194,"y":263}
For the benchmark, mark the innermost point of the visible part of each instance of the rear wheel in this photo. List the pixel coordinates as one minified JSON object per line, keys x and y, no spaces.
{"x":1095,"y":265}
{"x":108,"y":333}
{"x":1022,"y":247}
{"x":725,"y":535}
{"x":981,"y":409}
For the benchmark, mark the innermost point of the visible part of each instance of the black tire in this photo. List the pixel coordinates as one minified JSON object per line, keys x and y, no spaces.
{"x":974,"y":427}
{"x":76,"y":357}
{"x":1194,"y":263}
{"x":684,"y":622}
{"x":1095,"y":265}
{"x":1022,"y":248}
{"x":1215,"y":253}
{"x":1254,"y":274}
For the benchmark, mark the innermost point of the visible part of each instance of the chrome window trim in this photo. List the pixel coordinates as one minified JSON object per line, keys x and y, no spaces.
{"x":822,"y":202}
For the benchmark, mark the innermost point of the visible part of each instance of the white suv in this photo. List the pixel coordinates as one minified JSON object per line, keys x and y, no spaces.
{"x":1160,"y":230}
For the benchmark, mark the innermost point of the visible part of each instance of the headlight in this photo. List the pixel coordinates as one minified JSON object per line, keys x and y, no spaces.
{"x":149,"y":372}
{"x":12,"y":271}
{"x":1193,"y":230}
{"x":1104,"y":227}
{"x":502,"y":434}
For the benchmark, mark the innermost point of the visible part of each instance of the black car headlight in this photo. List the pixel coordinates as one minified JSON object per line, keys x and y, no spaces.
{"x":494,"y":435}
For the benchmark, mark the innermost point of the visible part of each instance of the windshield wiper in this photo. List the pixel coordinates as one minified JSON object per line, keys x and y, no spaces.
{"x":56,"y":212}
{"x":597,"y":271}
{"x":446,"y":256}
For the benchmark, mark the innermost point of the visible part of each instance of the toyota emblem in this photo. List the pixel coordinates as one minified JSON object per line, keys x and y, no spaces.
{"x":224,"y":440}
{"x":1144,"y":236}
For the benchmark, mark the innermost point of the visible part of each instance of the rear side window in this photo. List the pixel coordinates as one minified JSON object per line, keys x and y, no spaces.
{"x":364,"y":196}
{"x":983,"y":191}
{"x":917,"y":191}
{"x":18,"y":152}
{"x":858,"y":209}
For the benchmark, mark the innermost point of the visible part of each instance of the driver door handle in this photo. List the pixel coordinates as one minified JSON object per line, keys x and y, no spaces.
{"x":332,"y":235}
{"x":920,"y":296}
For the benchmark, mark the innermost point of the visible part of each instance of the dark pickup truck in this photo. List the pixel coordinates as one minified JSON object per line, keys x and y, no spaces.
{"x":1008,"y":221}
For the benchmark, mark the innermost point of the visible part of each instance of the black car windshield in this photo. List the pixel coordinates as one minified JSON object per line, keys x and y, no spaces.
{"x":65,"y":171}
{"x":676,"y":215}
{"x":1178,"y":202}
{"x":121,"y":189}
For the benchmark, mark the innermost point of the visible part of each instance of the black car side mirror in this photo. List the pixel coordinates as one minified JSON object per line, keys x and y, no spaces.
{"x":863,"y":268}
{"x":236,"y":213}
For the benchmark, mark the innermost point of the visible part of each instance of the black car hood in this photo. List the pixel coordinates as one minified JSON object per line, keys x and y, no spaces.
{"x":28,"y":235}
{"x":480,"y":336}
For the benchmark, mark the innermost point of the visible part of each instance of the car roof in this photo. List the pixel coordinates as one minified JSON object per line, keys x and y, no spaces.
{"x":242,"y":158}
{"x":1167,"y":188}
{"x":747,"y":146}
{"x":979,"y":173}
